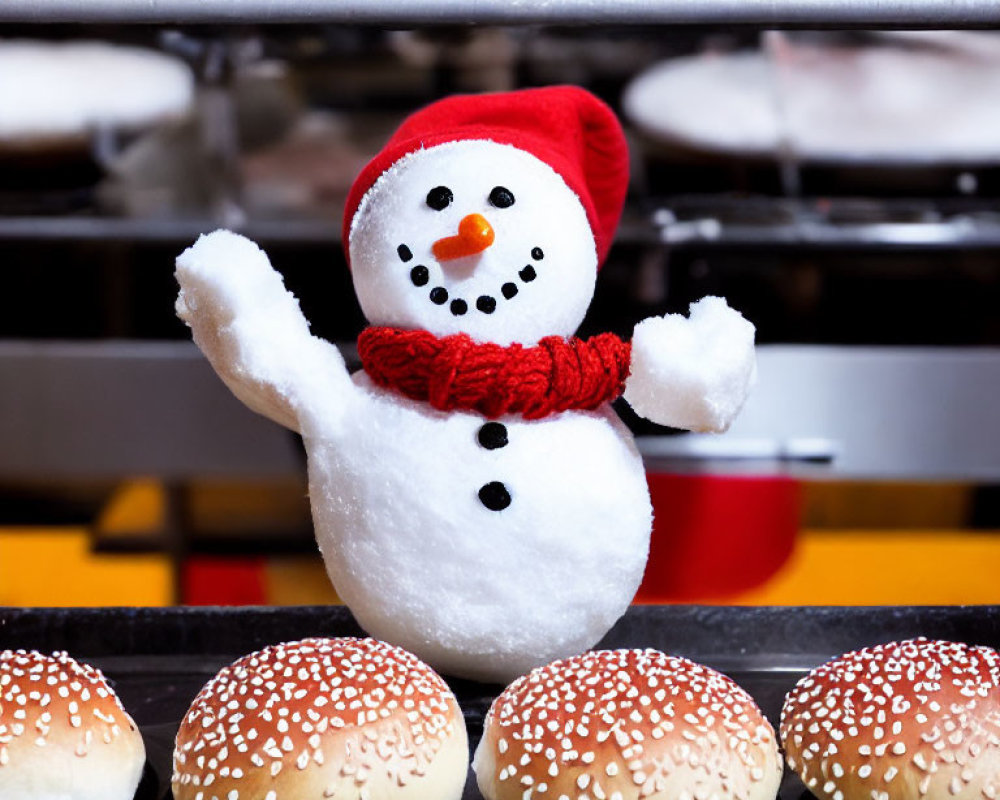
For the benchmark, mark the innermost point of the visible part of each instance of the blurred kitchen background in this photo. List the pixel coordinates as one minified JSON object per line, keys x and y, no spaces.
{"x":841,"y":189}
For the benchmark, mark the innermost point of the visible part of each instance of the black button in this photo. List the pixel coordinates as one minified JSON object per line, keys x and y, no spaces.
{"x":459,"y":307}
{"x":420,"y":275}
{"x":528,"y":274}
{"x":537,"y":254}
{"x":509,"y":290}
{"x":492,"y":435}
{"x":439,"y":295}
{"x":404,"y":253}
{"x":486,"y":304}
{"x":494,"y":496}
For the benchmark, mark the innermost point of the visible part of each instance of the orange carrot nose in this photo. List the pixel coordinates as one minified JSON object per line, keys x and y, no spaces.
{"x":475,"y":234}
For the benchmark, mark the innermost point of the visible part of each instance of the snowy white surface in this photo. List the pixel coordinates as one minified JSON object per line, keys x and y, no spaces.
{"x":478,"y":593}
{"x":545,"y":214}
{"x":824,"y":102}
{"x":692,"y":372}
{"x":56,"y":89}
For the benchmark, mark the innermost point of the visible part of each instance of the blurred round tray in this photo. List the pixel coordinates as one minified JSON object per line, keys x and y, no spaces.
{"x":891,"y":102}
{"x":55,"y":95}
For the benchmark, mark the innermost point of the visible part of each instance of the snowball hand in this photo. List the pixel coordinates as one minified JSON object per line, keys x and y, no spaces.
{"x":251,"y":329}
{"x":692,"y":372}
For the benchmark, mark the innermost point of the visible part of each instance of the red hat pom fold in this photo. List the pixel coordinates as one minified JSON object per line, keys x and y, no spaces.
{"x":565,"y":126}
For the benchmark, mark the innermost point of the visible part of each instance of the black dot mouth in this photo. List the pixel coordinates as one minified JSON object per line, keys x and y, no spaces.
{"x":485,"y":303}
{"x":420,"y":275}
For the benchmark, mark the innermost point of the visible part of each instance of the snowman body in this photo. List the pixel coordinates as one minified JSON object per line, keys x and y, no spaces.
{"x":424,"y":563}
{"x":485,"y":546}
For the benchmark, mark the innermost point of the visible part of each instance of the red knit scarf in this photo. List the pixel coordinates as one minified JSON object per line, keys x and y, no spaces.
{"x":454,"y":372}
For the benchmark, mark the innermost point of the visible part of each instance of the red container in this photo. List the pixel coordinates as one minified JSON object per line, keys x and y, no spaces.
{"x":715,"y":536}
{"x":223,"y":581}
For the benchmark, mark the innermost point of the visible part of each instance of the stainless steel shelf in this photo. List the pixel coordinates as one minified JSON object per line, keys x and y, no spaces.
{"x":857,"y":413}
{"x":825,"y":223}
{"x":962,"y":232}
{"x":800,"y":13}
{"x":167,"y":230}
{"x":112,"y":409}
{"x":965,"y":234}
{"x":116,"y":408}
{"x":312,"y":230}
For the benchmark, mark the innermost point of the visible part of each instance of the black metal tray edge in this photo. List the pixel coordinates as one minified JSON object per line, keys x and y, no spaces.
{"x":786,"y":636}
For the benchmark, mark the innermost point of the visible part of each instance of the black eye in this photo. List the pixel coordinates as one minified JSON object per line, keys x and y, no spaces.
{"x":501,"y":197}
{"x":439,"y":197}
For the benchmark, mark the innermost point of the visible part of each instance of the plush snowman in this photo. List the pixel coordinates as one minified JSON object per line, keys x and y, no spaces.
{"x":476,"y":499}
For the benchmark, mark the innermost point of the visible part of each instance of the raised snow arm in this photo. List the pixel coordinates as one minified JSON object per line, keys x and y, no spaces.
{"x":251,"y":329}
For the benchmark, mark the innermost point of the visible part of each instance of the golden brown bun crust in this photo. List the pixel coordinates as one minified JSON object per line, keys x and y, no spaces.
{"x":63,"y":731}
{"x":913,"y":720}
{"x":323,"y":718}
{"x":627,"y":724}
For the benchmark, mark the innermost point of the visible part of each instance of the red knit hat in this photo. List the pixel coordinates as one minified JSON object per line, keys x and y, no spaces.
{"x":564,"y":126}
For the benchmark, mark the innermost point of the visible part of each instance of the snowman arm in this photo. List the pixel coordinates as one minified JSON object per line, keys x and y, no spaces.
{"x":252,"y":331}
{"x":692,"y":372}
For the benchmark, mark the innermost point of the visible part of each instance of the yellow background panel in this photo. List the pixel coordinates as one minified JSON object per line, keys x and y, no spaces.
{"x":55,"y":567}
{"x":875,"y":506}
{"x":885,"y":568}
{"x":298,"y":581}
{"x":137,"y":506}
{"x":265,"y":507}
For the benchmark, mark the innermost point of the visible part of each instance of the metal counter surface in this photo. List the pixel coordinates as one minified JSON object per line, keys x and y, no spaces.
{"x":158,"y":659}
{"x":890,"y":13}
{"x":896,"y":413}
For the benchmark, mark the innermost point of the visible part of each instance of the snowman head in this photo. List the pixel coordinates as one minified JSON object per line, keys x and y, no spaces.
{"x":489,"y":215}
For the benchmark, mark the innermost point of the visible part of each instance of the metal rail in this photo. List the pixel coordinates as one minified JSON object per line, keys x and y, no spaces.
{"x":297,"y":230}
{"x":161,"y":230}
{"x":777,"y":13}
{"x":960,"y":232}
{"x":824,"y":223}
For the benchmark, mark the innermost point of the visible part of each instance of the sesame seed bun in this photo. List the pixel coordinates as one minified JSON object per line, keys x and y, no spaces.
{"x":912,"y":720}
{"x":341,"y":718}
{"x":624,"y":724}
{"x":63,"y":732}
